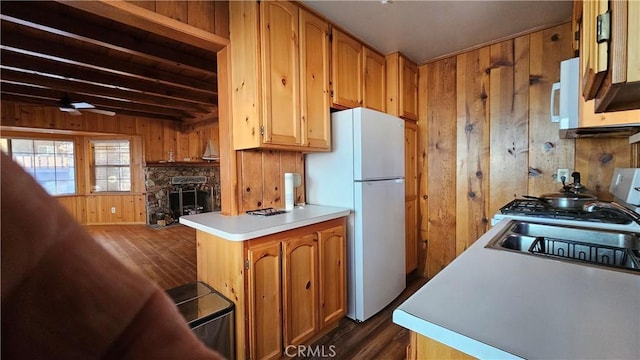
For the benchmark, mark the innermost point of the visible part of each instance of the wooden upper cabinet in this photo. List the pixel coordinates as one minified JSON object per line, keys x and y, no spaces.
{"x":314,"y":85}
{"x":374,"y":90}
{"x":281,"y":71}
{"x":300,"y":290}
{"x":346,"y":71}
{"x":401,"y":87}
{"x":610,"y":55}
{"x":279,"y":77}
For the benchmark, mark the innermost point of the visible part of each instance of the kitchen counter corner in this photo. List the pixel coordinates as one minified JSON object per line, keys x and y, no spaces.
{"x":246,"y":227}
{"x":491,"y":303}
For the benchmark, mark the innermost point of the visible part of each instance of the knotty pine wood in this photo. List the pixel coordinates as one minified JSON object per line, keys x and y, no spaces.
{"x":472,"y":147}
{"x":373,"y":80}
{"x":159,"y":136}
{"x":346,"y":71}
{"x":220,"y":264}
{"x":509,"y":121}
{"x":597,"y":158}
{"x":261,"y":177}
{"x":422,"y":347}
{"x":211,"y":16}
{"x":411,"y":195}
{"x":408,"y":84}
{"x":547,"y":152}
{"x":228,"y":166}
{"x":150,"y":140}
{"x":246,"y":110}
{"x":441,"y":77}
{"x":167,"y":256}
{"x":524,"y":147}
{"x":423,"y":168}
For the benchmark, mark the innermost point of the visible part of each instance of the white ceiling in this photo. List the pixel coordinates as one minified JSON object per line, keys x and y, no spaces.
{"x":428,"y":29}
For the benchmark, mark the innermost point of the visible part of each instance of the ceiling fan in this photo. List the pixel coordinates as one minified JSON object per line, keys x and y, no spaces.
{"x":73,"y":108}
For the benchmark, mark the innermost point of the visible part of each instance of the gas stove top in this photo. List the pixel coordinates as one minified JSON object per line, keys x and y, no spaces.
{"x":536,"y":208}
{"x":526,"y":209}
{"x":623,"y":214}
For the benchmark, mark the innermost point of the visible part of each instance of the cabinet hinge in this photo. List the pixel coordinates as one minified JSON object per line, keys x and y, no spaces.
{"x":261,"y":130}
{"x":246,"y":264}
{"x":603,"y":33}
{"x":331,"y":93}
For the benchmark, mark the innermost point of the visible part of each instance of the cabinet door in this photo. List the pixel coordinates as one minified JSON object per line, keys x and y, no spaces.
{"x":280,"y":62}
{"x":264,"y":283}
{"x":408,"y":91}
{"x":314,"y":81}
{"x":594,"y":55}
{"x":299,"y":269}
{"x":411,"y":195}
{"x":410,"y":160}
{"x":411,"y":234}
{"x":374,"y":80}
{"x":332,"y":283}
{"x":346,"y":71}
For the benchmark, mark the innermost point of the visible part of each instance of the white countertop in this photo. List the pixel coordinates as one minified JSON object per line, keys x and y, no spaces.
{"x":494,"y":304}
{"x":245,"y":227}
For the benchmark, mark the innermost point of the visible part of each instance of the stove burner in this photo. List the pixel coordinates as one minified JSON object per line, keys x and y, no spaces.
{"x":266,"y":212}
{"x":535,"y":208}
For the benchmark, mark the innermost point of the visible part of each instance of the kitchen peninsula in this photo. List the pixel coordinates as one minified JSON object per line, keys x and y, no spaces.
{"x":494,"y":304}
{"x":262,"y":263}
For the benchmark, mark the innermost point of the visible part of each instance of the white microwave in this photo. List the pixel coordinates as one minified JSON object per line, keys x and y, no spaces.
{"x":569,"y":87}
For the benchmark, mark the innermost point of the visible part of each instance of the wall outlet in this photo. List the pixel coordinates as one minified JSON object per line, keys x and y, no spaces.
{"x":561,"y":173}
{"x":113,"y":209}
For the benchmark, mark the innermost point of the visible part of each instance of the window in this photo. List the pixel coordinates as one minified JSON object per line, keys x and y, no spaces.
{"x":111,"y":165}
{"x":50,"y":162}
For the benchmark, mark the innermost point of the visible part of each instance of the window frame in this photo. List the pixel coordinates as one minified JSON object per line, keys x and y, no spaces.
{"x":76,"y":180}
{"x":91,"y":171}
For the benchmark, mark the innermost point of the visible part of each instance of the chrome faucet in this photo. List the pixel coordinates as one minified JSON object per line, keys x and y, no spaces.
{"x":592,"y":206}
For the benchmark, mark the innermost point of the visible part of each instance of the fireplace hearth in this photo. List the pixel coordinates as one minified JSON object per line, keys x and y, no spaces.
{"x":180,"y":190}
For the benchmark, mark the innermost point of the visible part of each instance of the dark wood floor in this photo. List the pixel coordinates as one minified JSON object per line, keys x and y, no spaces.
{"x":168,"y":257}
{"x":165,"y":255}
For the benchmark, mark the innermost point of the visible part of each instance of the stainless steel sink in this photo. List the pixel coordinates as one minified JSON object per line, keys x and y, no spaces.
{"x":614,"y":249}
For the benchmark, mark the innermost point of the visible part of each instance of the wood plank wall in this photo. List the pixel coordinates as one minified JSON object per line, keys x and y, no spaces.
{"x":261,"y":178}
{"x":485,"y":138}
{"x":211,"y":16}
{"x":151,"y":141}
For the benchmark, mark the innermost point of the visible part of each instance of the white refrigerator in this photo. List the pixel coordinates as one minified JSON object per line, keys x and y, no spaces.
{"x":365,"y":172}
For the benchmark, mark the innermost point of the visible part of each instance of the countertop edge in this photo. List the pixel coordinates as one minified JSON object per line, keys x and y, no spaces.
{"x":448,"y":337}
{"x":267,"y":230}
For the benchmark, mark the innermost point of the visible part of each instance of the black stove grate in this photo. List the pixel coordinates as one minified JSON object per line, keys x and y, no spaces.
{"x":535,"y":208}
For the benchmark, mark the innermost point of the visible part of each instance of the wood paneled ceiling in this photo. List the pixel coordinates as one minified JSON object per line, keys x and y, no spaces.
{"x":113,"y":55}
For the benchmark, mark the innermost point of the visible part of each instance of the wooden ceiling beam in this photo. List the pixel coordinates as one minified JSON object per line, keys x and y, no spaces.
{"x":98,"y":102}
{"x":72,"y":71}
{"x":88,"y":88}
{"x":39,"y":102}
{"x":87,"y":31}
{"x":150,"y":21}
{"x":71,"y":52}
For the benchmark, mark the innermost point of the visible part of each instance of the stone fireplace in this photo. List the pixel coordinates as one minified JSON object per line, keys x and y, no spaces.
{"x":167,"y":201}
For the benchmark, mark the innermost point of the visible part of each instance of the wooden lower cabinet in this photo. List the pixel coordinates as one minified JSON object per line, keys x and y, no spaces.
{"x":289,"y":288}
{"x":265,"y":304}
{"x":300,"y":295}
{"x":411,"y":234}
{"x":421,"y":347}
{"x":332,"y":284}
